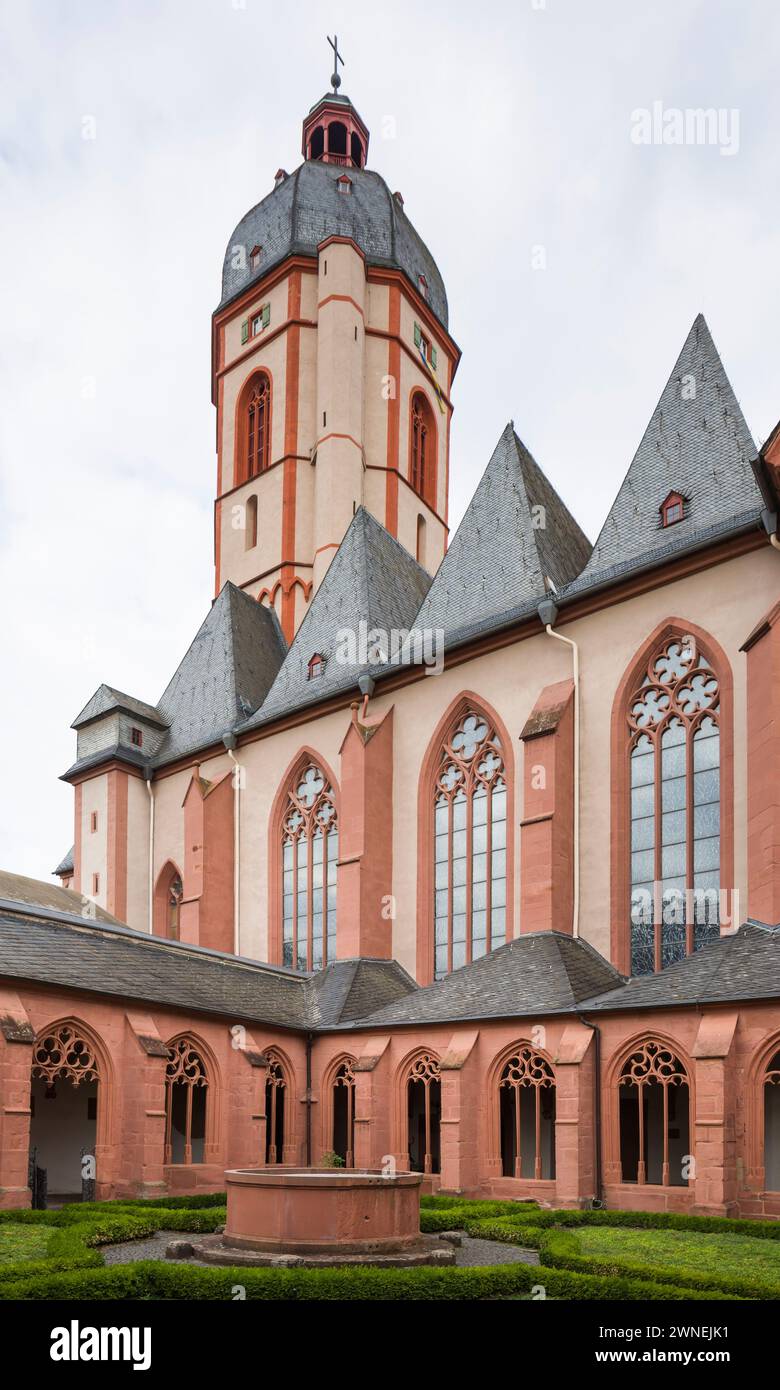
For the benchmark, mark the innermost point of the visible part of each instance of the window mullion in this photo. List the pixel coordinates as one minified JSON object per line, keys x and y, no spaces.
{"x":450,"y":924}
{"x":657,"y":861}
{"x":469,"y":870}
{"x":688,"y":835}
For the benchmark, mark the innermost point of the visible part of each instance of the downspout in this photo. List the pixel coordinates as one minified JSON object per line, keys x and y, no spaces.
{"x":230,"y":741}
{"x":148,"y":778}
{"x":548,"y":614}
{"x":309,"y":1041}
{"x":769,"y":522}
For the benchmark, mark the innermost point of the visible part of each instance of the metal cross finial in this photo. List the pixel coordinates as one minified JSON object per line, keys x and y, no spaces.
{"x":337,"y":58}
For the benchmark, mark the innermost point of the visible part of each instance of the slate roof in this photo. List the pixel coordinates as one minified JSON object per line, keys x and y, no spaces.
{"x":106,"y":699}
{"x":541,"y":973}
{"x":118,"y":961}
{"x":19,"y":893}
{"x":104,"y":957}
{"x":226,"y":673}
{"x":696,"y":444}
{"x":743,"y":966}
{"x":306,"y":208}
{"x":372,"y":580}
{"x":238,"y":673}
{"x":501,"y":556}
{"x":65,"y":865}
{"x":349,"y":988}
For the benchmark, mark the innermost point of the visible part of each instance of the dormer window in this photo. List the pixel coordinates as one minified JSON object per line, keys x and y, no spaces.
{"x":136,"y":737}
{"x":345,"y":184}
{"x":316,"y":666}
{"x":254,"y":257}
{"x":422,"y":285}
{"x":673,"y":509}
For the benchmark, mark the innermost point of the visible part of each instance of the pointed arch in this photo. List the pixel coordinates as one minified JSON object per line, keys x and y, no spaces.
{"x":521,"y":1083}
{"x":417,"y":1090}
{"x":649,"y":1090}
{"x":70,"y":1049}
{"x":316,"y":835}
{"x":624,"y":736}
{"x":423,"y":447}
{"x":338,"y":1107}
{"x":252,"y":429}
{"x":192,"y":1092}
{"x":280,"y":1133}
{"x":168,"y":894}
{"x":496,"y":916}
{"x":762,"y":1116}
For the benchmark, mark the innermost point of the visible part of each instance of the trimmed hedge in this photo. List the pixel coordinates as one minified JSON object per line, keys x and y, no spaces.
{"x":561,"y":1250}
{"x":73,"y":1267}
{"x":152,"y":1279}
{"x":531,"y":1215}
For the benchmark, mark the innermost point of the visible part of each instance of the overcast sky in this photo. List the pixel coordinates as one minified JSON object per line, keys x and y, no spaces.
{"x":512,"y":146}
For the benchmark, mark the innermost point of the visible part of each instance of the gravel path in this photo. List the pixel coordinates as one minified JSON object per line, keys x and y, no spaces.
{"x":471,"y":1252}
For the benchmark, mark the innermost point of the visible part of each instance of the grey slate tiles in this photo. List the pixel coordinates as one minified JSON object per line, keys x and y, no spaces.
{"x":697,"y":444}
{"x":307,"y":207}
{"x":515,"y":535}
{"x":227,"y":672}
{"x":371,"y":580}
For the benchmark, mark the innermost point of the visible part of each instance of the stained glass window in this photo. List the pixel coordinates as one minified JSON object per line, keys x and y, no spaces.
{"x":469,"y":846}
{"x":675,"y":807}
{"x":310,"y":847}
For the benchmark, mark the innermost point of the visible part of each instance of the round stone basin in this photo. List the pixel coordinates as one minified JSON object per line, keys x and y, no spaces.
{"x":302,"y":1211}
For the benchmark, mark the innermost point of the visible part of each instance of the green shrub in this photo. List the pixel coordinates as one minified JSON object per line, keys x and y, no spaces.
{"x":154,"y":1280}
{"x":561,"y":1249}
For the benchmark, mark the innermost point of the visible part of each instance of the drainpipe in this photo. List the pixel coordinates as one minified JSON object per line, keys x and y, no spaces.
{"x":367,"y":686}
{"x":598,"y":1200}
{"x":230,"y":741}
{"x":548,"y":614}
{"x":309,"y":1041}
{"x":769,"y":523}
{"x":148,"y":777}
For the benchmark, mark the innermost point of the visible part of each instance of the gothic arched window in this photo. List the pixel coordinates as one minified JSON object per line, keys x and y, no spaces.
{"x":186,"y":1085}
{"x":674,"y":750}
{"x":310,"y":847}
{"x":526,"y":1097}
{"x":469,"y":845}
{"x":257,"y":431}
{"x":654,"y":1101}
{"x":275,"y":1092}
{"x":422,"y":470}
{"x":344,"y":1113}
{"x":772,"y":1124}
{"x":423,"y":1102}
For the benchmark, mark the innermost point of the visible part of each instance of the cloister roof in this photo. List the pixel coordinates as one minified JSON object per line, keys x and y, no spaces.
{"x":44,"y":938}
{"x":745,"y":965}
{"x":540,"y":973}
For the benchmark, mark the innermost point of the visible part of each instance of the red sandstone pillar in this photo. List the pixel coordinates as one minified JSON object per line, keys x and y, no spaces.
{"x":142,"y":1149}
{"x":713,"y":1140}
{"x":206,"y":917}
{"x":763,"y":793}
{"x":575,"y":1154}
{"x":373,"y":1107}
{"x":16,"y":1038}
{"x":365,"y":922}
{"x":546,"y":851}
{"x":460,"y":1105}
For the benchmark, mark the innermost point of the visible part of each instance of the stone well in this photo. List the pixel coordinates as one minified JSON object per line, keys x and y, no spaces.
{"x":315,"y":1211}
{"x":319,"y":1217}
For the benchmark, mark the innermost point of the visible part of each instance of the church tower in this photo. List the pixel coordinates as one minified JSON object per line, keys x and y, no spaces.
{"x":332,"y":369}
